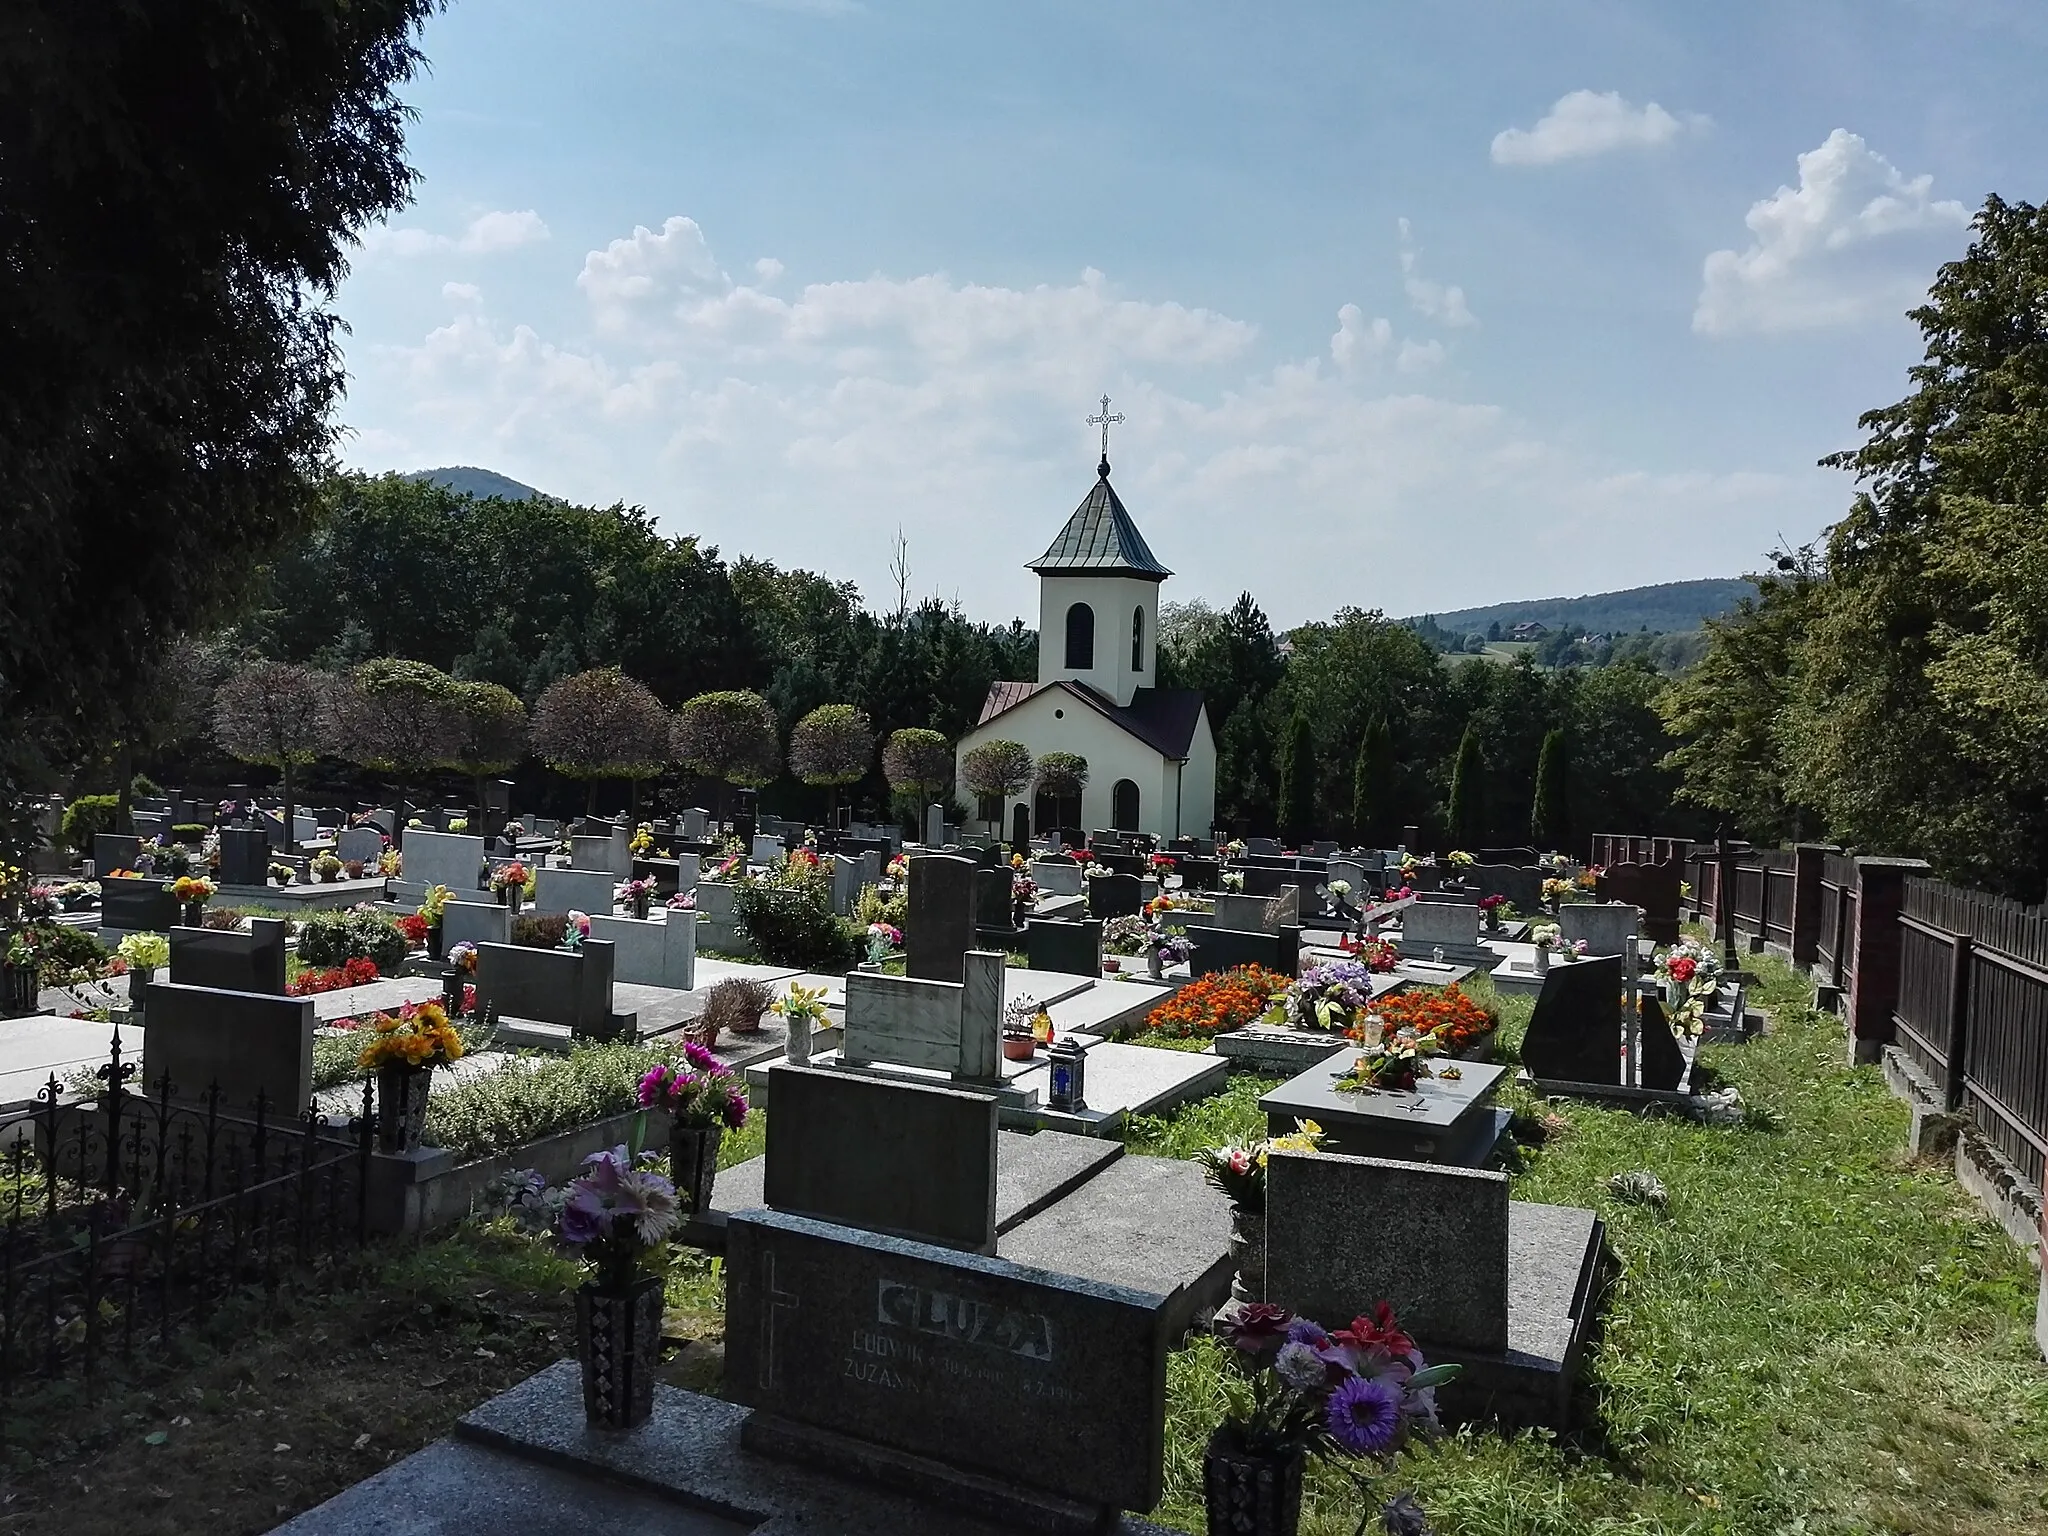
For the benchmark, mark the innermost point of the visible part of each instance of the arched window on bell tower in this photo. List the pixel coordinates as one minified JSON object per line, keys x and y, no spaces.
{"x":1137,"y":639}
{"x":1081,"y":637}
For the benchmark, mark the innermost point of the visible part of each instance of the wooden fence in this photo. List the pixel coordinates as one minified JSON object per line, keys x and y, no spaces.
{"x":1955,"y":979}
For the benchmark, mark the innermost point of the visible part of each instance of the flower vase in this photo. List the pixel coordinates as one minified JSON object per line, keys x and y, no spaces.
{"x":194,"y":915}
{"x":870,"y":965}
{"x":1542,"y":960}
{"x":693,"y":1163}
{"x":1152,"y":966}
{"x":1248,"y":1253}
{"x":452,"y":984}
{"x":436,"y":947}
{"x":1250,"y":1493}
{"x":1493,"y":919}
{"x":513,"y":896}
{"x":401,"y":1106}
{"x":640,"y":907}
{"x":618,"y":1344}
{"x":139,"y":978}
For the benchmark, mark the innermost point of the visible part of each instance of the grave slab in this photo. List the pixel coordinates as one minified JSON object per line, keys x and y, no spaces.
{"x":34,"y":1049}
{"x":1451,"y":1121}
{"x":1121,"y":1081}
{"x":1151,"y":1224}
{"x":1032,"y":1173}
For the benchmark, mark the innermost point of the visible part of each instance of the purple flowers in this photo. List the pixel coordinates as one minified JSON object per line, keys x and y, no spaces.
{"x":700,"y":1093}
{"x":1364,"y":1414}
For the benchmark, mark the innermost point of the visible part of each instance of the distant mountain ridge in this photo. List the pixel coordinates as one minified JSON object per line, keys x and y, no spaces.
{"x":468,"y":480}
{"x":1670,"y":606}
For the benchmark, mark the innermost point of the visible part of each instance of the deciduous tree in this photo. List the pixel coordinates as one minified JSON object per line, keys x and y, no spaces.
{"x":992,"y":773}
{"x":601,"y":724}
{"x":728,"y":736}
{"x":831,"y":747}
{"x":277,"y":714}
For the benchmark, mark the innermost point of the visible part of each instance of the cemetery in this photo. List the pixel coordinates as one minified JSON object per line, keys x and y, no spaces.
{"x":524,"y":1016}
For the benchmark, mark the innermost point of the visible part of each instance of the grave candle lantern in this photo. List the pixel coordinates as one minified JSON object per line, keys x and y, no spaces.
{"x":1069,"y":1071}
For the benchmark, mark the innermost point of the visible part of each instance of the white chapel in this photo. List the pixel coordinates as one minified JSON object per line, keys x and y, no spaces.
{"x":1151,"y":754}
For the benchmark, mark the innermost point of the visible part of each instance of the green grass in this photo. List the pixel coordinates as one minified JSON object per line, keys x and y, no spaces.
{"x":1818,"y":1335}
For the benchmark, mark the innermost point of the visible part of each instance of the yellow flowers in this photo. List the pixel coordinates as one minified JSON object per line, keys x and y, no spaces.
{"x":1307,"y":1136}
{"x":800,"y":1002}
{"x":418,"y":1035}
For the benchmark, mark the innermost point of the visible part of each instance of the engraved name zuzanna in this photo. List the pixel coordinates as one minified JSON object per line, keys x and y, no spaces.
{"x":962,"y":1318}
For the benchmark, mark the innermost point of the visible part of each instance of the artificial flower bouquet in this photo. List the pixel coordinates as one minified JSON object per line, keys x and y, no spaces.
{"x":462,"y":957}
{"x":187,"y":889}
{"x":883,"y":939}
{"x":1375,"y":954}
{"x":507,"y":876}
{"x":1356,"y":1391}
{"x":575,"y":929}
{"x":418,"y":1035}
{"x":683,"y":901}
{"x":1458,"y":859}
{"x":1231,"y":880}
{"x":145,"y":951}
{"x":1238,"y":1169}
{"x":1331,"y":996}
{"x":617,"y":1217}
{"x":1692,"y":974}
{"x":414,"y":926}
{"x":1390,"y":1063}
{"x":701,"y":1093}
{"x":434,"y":902}
{"x":800,"y":1003}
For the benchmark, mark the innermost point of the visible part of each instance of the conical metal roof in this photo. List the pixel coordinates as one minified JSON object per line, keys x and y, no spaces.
{"x":1101,"y":540}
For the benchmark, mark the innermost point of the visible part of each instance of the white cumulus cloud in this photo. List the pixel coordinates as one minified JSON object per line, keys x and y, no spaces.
{"x":1827,"y":252}
{"x":483,"y":235}
{"x":1441,"y":302}
{"x":806,"y":429}
{"x":1587,"y":123}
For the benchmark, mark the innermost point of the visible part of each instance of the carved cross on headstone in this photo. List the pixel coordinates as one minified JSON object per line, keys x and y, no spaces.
{"x":775,"y":1302}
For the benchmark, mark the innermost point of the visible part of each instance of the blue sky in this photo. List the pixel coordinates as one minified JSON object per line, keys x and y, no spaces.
{"x":1410,"y":307}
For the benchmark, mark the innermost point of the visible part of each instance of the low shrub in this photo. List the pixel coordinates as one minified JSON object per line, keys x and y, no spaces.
{"x":872,"y":907}
{"x":142,"y":787}
{"x":335,"y":938}
{"x":523,"y":1101}
{"x":62,"y":951}
{"x":85,"y":817}
{"x":540,"y":930}
{"x":191,"y":833}
{"x":794,"y":925}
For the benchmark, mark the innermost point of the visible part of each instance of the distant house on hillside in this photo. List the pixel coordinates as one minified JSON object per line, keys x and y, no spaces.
{"x":1528,"y":629}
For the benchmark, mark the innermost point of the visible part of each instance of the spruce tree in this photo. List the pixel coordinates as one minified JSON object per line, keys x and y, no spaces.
{"x":1298,"y":782}
{"x":1550,"y":817}
{"x":1467,"y":810}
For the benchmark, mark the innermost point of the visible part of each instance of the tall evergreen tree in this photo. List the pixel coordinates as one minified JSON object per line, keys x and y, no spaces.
{"x":1468,"y":793}
{"x":1298,"y":781}
{"x":1372,"y":785}
{"x":1550,"y":821}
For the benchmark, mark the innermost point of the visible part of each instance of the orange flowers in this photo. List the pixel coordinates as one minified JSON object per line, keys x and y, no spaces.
{"x":1217,"y":1003}
{"x":420,"y":1035}
{"x":1445,"y":1012}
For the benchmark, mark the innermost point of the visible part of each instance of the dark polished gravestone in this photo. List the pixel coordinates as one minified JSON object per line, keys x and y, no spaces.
{"x":938,"y":924}
{"x":1651,"y":887}
{"x":142,"y":904}
{"x":114,"y":850}
{"x":569,"y":988}
{"x":1223,"y":949}
{"x":995,"y":906}
{"x":248,"y":1044}
{"x":1115,"y":896}
{"x":963,"y":1378}
{"x":244,"y":856}
{"x":1663,"y":1061}
{"x":927,"y":1170}
{"x":232,"y":962}
{"x":1069,"y":948}
{"x":1574,"y":1036}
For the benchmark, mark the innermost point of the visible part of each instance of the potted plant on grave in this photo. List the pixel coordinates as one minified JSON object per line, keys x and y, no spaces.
{"x":433,"y":908}
{"x":326,"y":869}
{"x":1238,"y":1169}
{"x":1025,"y":1027}
{"x":192,"y":893}
{"x":1353,"y":1395}
{"x":144,"y":953}
{"x":617,"y":1216}
{"x":1231,"y":880}
{"x":735,"y":1005}
{"x":704,"y":1100}
{"x":1547,"y":937}
{"x":20,"y":974}
{"x":1168,"y":947}
{"x":282,"y":873}
{"x":508,"y":883}
{"x":637,"y":894}
{"x":403,"y":1053}
{"x":1692,"y":974}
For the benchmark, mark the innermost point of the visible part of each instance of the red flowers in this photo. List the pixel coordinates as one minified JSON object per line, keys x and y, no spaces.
{"x":1377,"y":1331}
{"x":354,"y":974}
{"x":414,"y":927}
{"x":1681,"y":967}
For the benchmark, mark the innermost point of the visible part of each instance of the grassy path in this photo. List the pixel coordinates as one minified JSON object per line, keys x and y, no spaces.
{"x":1816,"y":1335}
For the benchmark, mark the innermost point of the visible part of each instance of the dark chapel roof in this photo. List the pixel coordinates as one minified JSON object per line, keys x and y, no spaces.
{"x":1101,"y":540}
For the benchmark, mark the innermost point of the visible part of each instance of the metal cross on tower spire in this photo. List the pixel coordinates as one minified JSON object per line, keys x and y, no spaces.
{"x":1103,"y":421}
